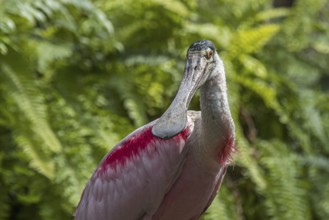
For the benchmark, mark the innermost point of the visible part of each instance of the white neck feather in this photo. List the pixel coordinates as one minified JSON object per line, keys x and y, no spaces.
{"x":217,"y":122}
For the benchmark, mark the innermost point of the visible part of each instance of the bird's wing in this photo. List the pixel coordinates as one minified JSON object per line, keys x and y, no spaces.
{"x":133,"y":178}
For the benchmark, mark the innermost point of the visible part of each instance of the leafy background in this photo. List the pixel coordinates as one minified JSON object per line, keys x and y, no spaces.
{"x":76,"y":76}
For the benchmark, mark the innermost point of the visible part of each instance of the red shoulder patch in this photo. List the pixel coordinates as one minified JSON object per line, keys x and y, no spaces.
{"x":135,"y":145}
{"x":225,"y":153}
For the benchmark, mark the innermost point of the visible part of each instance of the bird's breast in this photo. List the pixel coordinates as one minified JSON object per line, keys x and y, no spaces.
{"x":191,"y":194}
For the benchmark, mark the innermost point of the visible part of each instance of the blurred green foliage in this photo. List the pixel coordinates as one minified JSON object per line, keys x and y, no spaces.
{"x":76,"y":76}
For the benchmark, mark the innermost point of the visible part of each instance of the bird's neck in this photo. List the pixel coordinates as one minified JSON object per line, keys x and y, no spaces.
{"x":217,"y":124}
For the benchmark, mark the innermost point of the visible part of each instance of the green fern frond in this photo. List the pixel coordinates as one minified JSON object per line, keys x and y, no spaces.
{"x":211,"y":32}
{"x":253,"y":66}
{"x":24,"y":93}
{"x":251,"y":40}
{"x":38,"y":160}
{"x":33,"y":133}
{"x":48,"y":53}
{"x":319,"y":191}
{"x":245,"y":159}
{"x":131,"y":100}
{"x":315,"y":161}
{"x":312,"y":116}
{"x":174,"y":6}
{"x":321,"y":47}
{"x":262,"y":89}
{"x":135,"y":107}
{"x":287,"y":198}
{"x":272,"y":13}
{"x":68,"y":177}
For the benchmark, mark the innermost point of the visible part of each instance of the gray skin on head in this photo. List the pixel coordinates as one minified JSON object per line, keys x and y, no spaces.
{"x":201,"y":45}
{"x":196,"y":72}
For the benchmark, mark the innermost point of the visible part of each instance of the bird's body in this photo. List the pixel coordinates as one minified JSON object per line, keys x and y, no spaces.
{"x":170,"y":168}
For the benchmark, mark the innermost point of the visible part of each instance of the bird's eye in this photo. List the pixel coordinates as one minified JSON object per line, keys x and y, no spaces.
{"x":209,"y":54}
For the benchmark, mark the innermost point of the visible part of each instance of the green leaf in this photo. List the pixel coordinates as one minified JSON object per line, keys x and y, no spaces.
{"x":250,"y":40}
{"x":24,"y":93}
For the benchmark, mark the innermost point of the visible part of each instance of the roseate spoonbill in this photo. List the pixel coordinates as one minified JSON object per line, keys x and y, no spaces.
{"x":171,"y":168}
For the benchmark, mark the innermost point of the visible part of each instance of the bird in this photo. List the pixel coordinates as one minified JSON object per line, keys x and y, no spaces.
{"x":172,"y":167}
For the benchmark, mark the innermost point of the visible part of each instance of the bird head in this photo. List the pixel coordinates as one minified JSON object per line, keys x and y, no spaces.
{"x":201,"y":61}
